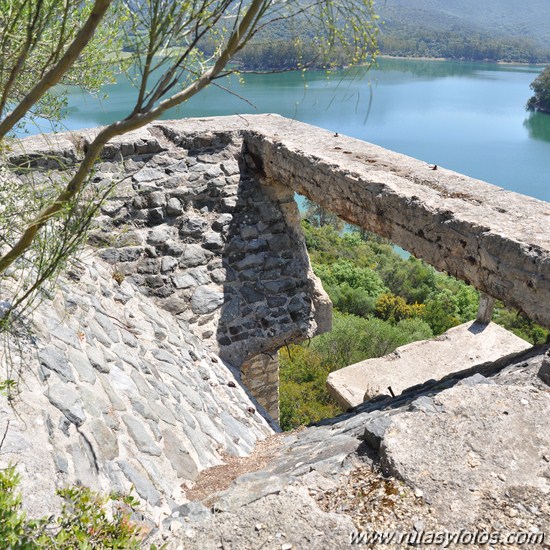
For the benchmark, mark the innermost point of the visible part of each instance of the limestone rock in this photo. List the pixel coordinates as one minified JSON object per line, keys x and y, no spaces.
{"x":68,"y":401}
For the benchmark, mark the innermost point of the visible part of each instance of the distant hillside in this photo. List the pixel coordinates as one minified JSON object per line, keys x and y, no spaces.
{"x":508,"y":18}
{"x":469,"y":29}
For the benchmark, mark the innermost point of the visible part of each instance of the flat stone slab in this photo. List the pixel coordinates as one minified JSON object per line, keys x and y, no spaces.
{"x":486,"y":445}
{"x":458,"y":349}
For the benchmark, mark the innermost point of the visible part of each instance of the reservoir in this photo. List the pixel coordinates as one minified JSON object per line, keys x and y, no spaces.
{"x":468,"y":117}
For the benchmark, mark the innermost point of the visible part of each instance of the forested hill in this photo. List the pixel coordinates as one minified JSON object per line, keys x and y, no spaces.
{"x":508,"y":18}
{"x":493,"y":29}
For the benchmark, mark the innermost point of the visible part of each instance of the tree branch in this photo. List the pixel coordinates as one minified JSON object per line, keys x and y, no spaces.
{"x":54,"y":75}
{"x":133,"y":122}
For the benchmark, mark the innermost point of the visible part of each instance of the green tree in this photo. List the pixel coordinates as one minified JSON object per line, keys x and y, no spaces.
{"x":541,"y":86}
{"x":320,"y":217}
{"x":47,"y":42}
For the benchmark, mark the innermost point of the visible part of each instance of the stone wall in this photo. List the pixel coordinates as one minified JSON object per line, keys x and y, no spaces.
{"x":115,"y":393}
{"x":190,"y":225}
{"x":204,"y":221}
{"x":126,"y":376}
{"x":497,"y":240}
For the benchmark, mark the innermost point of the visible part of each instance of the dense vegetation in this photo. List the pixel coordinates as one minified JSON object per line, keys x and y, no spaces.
{"x":403,"y":41}
{"x":541,"y":86}
{"x":381,"y":301}
{"x":87,"y":520}
{"x":466,"y":29}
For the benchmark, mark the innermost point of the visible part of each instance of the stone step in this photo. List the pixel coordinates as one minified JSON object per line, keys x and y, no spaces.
{"x":459,"y":348}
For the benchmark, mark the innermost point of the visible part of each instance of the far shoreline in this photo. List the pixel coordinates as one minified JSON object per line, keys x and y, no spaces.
{"x":487,"y":61}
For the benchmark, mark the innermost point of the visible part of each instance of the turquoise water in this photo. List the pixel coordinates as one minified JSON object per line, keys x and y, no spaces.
{"x":468,"y":117}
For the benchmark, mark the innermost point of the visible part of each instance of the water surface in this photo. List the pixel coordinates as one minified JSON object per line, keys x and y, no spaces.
{"x":469,"y":117}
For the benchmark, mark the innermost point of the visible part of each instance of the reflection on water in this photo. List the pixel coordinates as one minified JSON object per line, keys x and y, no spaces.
{"x":538,"y":125}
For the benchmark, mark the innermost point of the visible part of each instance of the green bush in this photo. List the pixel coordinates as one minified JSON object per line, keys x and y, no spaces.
{"x":520,"y":325}
{"x":87,"y":520}
{"x":303,"y":395}
{"x":351,"y":300}
{"x":305,"y":368}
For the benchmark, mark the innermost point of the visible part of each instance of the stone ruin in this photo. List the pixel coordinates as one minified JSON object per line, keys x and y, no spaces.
{"x":156,"y":362}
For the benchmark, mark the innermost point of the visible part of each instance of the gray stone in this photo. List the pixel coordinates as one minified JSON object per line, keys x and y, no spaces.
{"x":140,"y":435}
{"x":51,"y":359}
{"x":179,"y":456}
{"x":107,"y":325}
{"x":80,"y":362}
{"x":544,"y":371}
{"x":250,"y":260}
{"x":116,"y":402}
{"x":250,"y":487}
{"x":95,"y":334}
{"x":164,"y":413}
{"x":221,"y":222}
{"x":68,"y":401}
{"x":425,"y":404}
{"x":163,"y":355}
{"x":144,"y":410}
{"x":194,"y":255}
{"x":192,"y":511}
{"x":206,"y":299}
{"x":159,"y":236}
{"x":193,"y":226}
{"x":14,"y":441}
{"x":213,"y":172}
{"x":486,"y":422}
{"x":183,"y":281}
{"x":60,"y":462}
{"x":375,"y":430}
{"x":168,"y":263}
{"x":212,"y":241}
{"x":144,"y":487}
{"x":249,"y":232}
{"x":156,"y":199}
{"x":93,"y":404}
{"x":107,"y":443}
{"x":148,"y":174}
{"x":97,"y":359}
{"x":65,"y":335}
{"x":122,"y":383}
{"x":474,"y":380}
{"x":174,"y":207}
{"x":84,"y":463}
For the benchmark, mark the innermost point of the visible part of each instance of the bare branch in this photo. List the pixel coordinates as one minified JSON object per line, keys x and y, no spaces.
{"x":54,"y":75}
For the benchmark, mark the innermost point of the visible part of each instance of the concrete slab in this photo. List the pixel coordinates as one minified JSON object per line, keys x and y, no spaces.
{"x":459,"y":348}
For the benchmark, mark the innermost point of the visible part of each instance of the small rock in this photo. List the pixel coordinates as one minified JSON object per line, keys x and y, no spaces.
{"x":68,"y":402}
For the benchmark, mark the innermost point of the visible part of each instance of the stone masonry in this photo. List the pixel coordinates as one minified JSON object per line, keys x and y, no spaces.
{"x":115,"y":393}
{"x":198,"y":266}
{"x":191,"y":226}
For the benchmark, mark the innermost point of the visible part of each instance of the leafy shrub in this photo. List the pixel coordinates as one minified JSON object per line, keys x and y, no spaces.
{"x":540,"y":101}
{"x":394,"y":308}
{"x":87,"y":521}
{"x":520,"y":325}
{"x":351,"y":300}
{"x":304,"y":368}
{"x":303,"y":395}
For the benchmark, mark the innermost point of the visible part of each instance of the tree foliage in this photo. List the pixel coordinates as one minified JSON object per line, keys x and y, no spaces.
{"x":381,"y":301}
{"x":540,"y":101}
